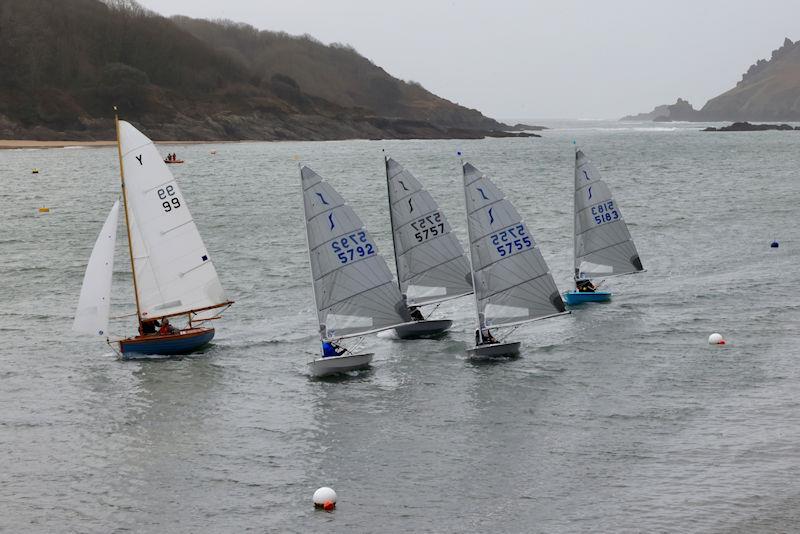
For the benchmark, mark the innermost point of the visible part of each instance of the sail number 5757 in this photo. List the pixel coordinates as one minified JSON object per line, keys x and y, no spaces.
{"x":171,"y":202}
{"x":428,"y":227}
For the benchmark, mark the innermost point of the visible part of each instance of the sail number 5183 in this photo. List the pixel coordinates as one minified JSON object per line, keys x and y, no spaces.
{"x":604,"y":212}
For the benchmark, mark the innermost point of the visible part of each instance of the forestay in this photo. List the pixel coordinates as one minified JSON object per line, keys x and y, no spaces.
{"x":512,"y":281}
{"x":94,"y":304}
{"x":603,"y":245}
{"x":353,"y":288}
{"x":174,"y":272}
{"x":431,"y":266}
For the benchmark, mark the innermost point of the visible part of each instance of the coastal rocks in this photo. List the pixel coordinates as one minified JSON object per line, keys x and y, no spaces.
{"x":681,"y":110}
{"x":747,"y":127}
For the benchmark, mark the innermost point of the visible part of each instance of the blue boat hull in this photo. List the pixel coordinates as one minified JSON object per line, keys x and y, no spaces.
{"x":579,"y":297}
{"x":183,"y":342}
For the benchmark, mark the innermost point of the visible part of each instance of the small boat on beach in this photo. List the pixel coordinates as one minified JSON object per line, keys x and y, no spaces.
{"x":429,"y":260}
{"x":602,"y":245}
{"x":354,"y":291}
{"x":173,"y":275}
{"x":513,"y":284}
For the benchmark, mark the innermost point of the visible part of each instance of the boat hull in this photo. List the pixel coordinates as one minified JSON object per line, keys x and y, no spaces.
{"x":494,"y":350}
{"x":426,"y":328}
{"x":173,"y":162}
{"x":183,"y":342}
{"x":339,"y":364}
{"x":579,"y":297}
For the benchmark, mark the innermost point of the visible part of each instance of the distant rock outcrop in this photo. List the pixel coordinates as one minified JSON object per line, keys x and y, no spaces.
{"x":747,"y":127}
{"x":768,"y":91}
{"x":681,"y":110}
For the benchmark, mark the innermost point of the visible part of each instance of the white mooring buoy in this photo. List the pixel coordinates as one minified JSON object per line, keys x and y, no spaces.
{"x":715,"y":339}
{"x":325,"y":498}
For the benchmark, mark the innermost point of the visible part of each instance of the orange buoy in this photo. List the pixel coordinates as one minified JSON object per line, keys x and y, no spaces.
{"x":328,"y":506}
{"x":44,"y":210}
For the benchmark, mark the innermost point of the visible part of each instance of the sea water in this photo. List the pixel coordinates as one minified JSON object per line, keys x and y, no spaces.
{"x":619,"y":417}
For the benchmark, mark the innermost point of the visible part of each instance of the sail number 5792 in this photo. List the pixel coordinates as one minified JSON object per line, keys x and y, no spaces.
{"x":351,"y":247}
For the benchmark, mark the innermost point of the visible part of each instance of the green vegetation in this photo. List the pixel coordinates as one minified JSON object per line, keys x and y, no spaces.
{"x":65,"y":63}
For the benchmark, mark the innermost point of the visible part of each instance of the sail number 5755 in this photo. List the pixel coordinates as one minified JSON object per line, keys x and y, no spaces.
{"x":510,"y":240}
{"x":171,"y":202}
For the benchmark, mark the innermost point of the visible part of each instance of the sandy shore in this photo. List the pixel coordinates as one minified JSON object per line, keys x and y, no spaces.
{"x":61,"y":144}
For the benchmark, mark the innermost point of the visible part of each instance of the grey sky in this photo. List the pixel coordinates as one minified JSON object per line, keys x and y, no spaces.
{"x":538,"y":59}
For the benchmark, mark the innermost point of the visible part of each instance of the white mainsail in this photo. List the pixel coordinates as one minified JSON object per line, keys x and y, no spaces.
{"x":513,"y":284}
{"x":354,"y":290}
{"x":603,"y":245}
{"x":94,"y":304}
{"x":431,"y":266}
{"x":173,"y":269}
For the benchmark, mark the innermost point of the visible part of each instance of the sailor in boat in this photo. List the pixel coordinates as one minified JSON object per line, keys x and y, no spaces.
{"x":484,"y":337}
{"x":330,"y":349}
{"x":166,"y":328}
{"x":585,"y":286}
{"x":148,"y":326}
{"x":415,"y":313}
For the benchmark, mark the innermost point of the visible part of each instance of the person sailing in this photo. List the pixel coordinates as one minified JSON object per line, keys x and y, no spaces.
{"x":484,"y":337}
{"x":166,"y":328}
{"x":330,"y":349}
{"x":585,"y":286}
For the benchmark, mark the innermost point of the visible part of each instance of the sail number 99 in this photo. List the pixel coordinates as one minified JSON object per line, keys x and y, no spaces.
{"x":167,"y":194}
{"x":353,"y":246}
{"x":604,"y":212}
{"x":511,"y":240}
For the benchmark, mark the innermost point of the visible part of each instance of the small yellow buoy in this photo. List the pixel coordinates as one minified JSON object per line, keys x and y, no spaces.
{"x":35,"y":171}
{"x":44,"y":210}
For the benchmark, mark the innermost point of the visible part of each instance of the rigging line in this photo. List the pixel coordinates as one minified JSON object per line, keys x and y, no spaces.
{"x":509,"y":333}
{"x":433,"y":310}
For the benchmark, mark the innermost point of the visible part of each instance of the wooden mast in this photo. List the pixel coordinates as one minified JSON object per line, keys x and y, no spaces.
{"x":127,"y":220}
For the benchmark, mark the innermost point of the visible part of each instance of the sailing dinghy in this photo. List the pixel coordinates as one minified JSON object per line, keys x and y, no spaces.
{"x":173,"y":275}
{"x":354,"y":291}
{"x":513,"y":284}
{"x":603,"y":247}
{"x":429,"y":260}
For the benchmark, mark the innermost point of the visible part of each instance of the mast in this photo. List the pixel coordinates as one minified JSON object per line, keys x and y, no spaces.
{"x":574,"y":221}
{"x":471,"y":255}
{"x":391,"y":223}
{"x":308,"y":247}
{"x":127,"y":221}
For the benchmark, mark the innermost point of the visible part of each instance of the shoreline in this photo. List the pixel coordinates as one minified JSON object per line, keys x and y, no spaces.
{"x":11,"y":144}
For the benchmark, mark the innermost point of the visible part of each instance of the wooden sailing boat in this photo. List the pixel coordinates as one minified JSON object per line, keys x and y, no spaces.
{"x":513,"y":284}
{"x":173,"y":275}
{"x":430,"y":263}
{"x":602,"y":244}
{"x":354,"y":290}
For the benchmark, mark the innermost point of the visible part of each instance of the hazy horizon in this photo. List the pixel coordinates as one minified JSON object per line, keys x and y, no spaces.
{"x":547,"y":60}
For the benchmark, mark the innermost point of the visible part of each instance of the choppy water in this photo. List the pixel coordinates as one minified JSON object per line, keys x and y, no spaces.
{"x":617,"y":418}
